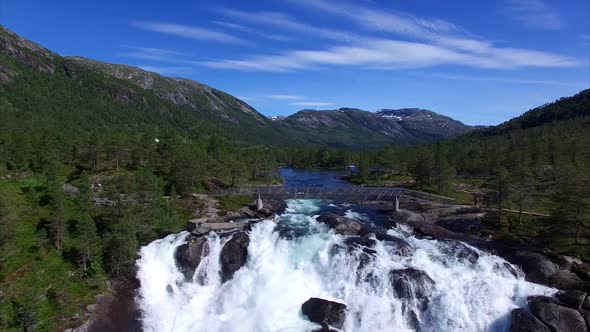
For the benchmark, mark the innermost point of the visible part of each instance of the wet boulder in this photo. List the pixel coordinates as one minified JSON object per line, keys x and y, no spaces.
{"x":538,"y":268}
{"x":572,"y":298}
{"x":412,"y":285}
{"x":461,"y":251}
{"x":556,"y":316}
{"x":586,"y":303}
{"x":233,"y":255}
{"x":523,"y":321}
{"x":342,"y":225}
{"x":395,"y":245}
{"x":189,"y":255}
{"x":325,"y":312}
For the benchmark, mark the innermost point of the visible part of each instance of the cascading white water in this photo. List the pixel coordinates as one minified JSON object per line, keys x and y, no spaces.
{"x":282,"y":273}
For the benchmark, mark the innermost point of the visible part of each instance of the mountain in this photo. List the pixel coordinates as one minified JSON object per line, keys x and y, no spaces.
{"x":33,"y":78}
{"x":560,"y":110}
{"x":86,"y":95}
{"x":357,"y":129}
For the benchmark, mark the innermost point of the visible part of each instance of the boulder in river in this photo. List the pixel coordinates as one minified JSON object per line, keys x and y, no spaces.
{"x":557,"y":317}
{"x":538,"y":268}
{"x":462,"y":251}
{"x":234,"y":254}
{"x":189,"y":255}
{"x":523,"y":321}
{"x":325,"y":312}
{"x":396,"y":245}
{"x":342,"y":225}
{"x":572,"y":298}
{"x":412,"y":284}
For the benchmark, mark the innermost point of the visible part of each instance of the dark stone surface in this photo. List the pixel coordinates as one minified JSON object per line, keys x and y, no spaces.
{"x":325,"y":312}
{"x":538,"y":268}
{"x":586,"y":315}
{"x":410,"y":284}
{"x":396,"y":245}
{"x":557,"y":317}
{"x":571,"y":298}
{"x":189,"y":255}
{"x":462,"y":251}
{"x":342,"y":225}
{"x":234,"y":254}
{"x":586,"y":303}
{"x":523,"y":321}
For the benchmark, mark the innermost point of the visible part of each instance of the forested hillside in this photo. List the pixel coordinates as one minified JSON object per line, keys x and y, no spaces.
{"x":538,"y":162}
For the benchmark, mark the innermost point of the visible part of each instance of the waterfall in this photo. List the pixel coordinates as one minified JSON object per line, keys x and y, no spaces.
{"x":295,"y":258}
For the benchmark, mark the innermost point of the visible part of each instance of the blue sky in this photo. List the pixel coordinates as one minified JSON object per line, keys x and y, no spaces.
{"x":481,"y":62}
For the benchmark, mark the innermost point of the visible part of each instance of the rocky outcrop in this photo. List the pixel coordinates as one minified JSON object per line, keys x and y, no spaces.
{"x":342,"y":225}
{"x":556,"y":316}
{"x":572,"y":298}
{"x":461,"y":251}
{"x":539,"y":268}
{"x":325,"y":312}
{"x":189,"y":255}
{"x":412,"y":284}
{"x":234,"y":254}
{"x":523,"y":321}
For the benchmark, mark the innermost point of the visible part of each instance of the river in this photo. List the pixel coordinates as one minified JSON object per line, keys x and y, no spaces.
{"x":294,"y":257}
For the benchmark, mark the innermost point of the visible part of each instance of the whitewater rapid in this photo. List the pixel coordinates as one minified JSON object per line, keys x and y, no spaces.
{"x":282,"y":272}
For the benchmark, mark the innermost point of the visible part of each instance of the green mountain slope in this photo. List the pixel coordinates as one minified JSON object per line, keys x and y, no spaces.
{"x":78,"y":93}
{"x":86,"y":95}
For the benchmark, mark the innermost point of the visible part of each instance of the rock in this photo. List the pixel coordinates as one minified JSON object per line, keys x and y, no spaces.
{"x":462,"y":251}
{"x":324,"y":328}
{"x":325,"y":312}
{"x":201,"y":230}
{"x":263,"y":213}
{"x":523,"y":321}
{"x":557,"y":317}
{"x":396,"y":245}
{"x":234,"y":254}
{"x":246,"y":211}
{"x":586,"y":303}
{"x":471,"y":223}
{"x":189,"y":255}
{"x":541,"y":270}
{"x":342,"y":225}
{"x":571,"y":298}
{"x":410,"y":283}
{"x":586,"y":315}
{"x":358,"y":241}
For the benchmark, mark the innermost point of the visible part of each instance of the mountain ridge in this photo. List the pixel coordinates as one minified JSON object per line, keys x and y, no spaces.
{"x":190,"y":107}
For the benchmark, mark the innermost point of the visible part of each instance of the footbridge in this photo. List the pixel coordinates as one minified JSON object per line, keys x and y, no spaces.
{"x":349,"y":193}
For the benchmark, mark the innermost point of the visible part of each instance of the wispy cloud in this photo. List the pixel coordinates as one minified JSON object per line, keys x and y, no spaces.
{"x":311,"y":103}
{"x":249,"y":30}
{"x":166,"y":70}
{"x":508,"y":80}
{"x":393,"y":54}
{"x":439,"y":43}
{"x":286,"y":23}
{"x":186,"y":31}
{"x":535,"y":14}
{"x":284,"y":97}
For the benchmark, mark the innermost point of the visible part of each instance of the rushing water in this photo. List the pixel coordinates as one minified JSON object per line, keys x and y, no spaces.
{"x":292,"y":259}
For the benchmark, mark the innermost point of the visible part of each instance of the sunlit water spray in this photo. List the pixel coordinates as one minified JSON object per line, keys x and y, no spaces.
{"x":294,"y":259}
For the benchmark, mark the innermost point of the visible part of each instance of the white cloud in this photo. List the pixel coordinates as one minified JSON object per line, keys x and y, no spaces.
{"x":507,"y":80}
{"x":439,"y":43}
{"x":535,"y":14}
{"x":285,"y":22}
{"x":166,"y":70}
{"x":311,"y":103}
{"x":186,"y":31}
{"x":284,"y":97}
{"x":246,"y":29}
{"x":394,"y":54}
